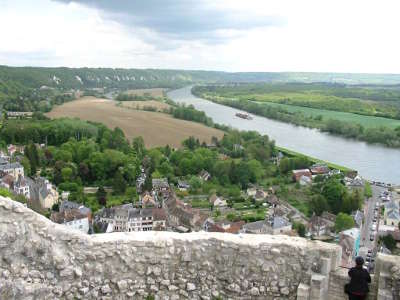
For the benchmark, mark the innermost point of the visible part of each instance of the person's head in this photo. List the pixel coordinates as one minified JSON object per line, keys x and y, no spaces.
{"x":359,"y":261}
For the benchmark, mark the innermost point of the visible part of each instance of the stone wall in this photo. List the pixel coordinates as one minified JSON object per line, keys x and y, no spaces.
{"x":43,"y":260}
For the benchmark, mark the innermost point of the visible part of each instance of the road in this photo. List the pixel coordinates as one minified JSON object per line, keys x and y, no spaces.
{"x":369,"y":212}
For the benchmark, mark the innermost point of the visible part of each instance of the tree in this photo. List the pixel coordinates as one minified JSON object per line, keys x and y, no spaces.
{"x":389,"y":242}
{"x":319,"y":204}
{"x":334,"y":192}
{"x":32,"y":154}
{"x":101,"y":196}
{"x":300,"y":228}
{"x":343,"y":222}
{"x":148,"y":183}
{"x":131,"y":193}
{"x":66,"y":174}
{"x":367,"y":190}
{"x":119,"y":183}
{"x":138,"y":146}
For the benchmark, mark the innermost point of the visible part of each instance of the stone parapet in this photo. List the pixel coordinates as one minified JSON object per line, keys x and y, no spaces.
{"x":43,"y":260}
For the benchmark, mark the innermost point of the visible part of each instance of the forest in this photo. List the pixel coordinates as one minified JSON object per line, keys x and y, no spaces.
{"x":79,"y":154}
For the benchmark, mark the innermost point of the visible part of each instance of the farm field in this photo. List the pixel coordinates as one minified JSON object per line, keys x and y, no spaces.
{"x":159,"y":106}
{"x":366,"y":121}
{"x":157,"y":129}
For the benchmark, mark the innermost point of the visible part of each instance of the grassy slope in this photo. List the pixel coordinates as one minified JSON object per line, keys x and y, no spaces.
{"x":315,"y":160}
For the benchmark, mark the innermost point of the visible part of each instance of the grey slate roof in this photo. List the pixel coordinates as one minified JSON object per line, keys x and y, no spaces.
{"x":279,"y":222}
{"x":8,"y":166}
{"x":126,"y":211}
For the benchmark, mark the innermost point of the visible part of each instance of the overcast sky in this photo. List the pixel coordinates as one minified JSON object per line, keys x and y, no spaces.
{"x":228,"y":35}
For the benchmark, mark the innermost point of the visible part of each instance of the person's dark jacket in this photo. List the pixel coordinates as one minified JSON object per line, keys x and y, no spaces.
{"x":359,"y":281}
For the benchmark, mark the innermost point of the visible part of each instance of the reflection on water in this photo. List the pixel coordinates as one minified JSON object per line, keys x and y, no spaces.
{"x":372,"y":161}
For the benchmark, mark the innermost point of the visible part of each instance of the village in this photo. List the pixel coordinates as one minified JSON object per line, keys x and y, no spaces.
{"x":168,"y":207}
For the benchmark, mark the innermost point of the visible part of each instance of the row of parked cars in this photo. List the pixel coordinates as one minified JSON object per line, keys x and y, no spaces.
{"x":382,"y":184}
{"x":374,"y":225}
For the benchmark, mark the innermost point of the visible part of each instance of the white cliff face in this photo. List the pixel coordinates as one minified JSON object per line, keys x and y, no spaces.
{"x":43,"y":260}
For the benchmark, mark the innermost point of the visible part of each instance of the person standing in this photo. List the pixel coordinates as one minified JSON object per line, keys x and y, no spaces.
{"x":358,"y":288}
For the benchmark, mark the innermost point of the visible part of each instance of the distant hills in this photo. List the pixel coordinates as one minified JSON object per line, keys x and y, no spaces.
{"x":81,"y":78}
{"x":38,"y":89}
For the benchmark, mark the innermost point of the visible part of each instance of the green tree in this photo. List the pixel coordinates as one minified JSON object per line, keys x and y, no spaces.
{"x":33,"y":156}
{"x":101,"y":196}
{"x":300,"y":228}
{"x":318,"y":205}
{"x":66,"y":174}
{"x":343,"y":222}
{"x":334,"y":192}
{"x":389,"y":242}
{"x":367,"y":190}
{"x":138,"y":146}
{"x":119,"y":183}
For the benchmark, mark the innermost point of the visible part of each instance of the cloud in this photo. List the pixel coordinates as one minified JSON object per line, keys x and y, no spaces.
{"x":183,"y":19}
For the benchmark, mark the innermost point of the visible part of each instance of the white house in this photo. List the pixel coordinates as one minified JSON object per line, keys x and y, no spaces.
{"x":72,"y":218}
{"x":21,"y":187}
{"x":218,"y":201}
{"x":14,"y":169}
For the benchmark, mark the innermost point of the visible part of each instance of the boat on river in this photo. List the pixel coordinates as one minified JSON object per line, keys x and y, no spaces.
{"x":244,"y":116}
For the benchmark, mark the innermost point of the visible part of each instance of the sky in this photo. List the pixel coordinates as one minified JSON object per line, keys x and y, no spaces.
{"x":357,"y":36}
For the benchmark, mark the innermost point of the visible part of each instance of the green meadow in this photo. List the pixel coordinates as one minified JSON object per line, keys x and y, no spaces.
{"x":365,"y":121}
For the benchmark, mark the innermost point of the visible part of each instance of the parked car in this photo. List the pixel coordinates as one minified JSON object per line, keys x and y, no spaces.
{"x":371,"y":238}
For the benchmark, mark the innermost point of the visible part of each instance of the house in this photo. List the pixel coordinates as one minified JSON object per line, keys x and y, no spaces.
{"x":65,"y":195}
{"x":257,"y":193}
{"x":319,"y":226}
{"x":357,"y":181}
{"x":349,"y":240}
{"x":14,"y":169}
{"x":7,"y":181}
{"x":12,"y":149}
{"x":223,"y":226}
{"x":217,"y":201}
{"x":251,"y":191}
{"x":73,"y":218}
{"x":160,"y":184}
{"x":329,"y":217}
{"x":358,"y":217}
{"x":68,"y":205}
{"x":304,"y":180}
{"x":392,"y":214}
{"x":182,"y":214}
{"x":296,"y":174}
{"x":140,"y":182}
{"x":43,"y":192}
{"x":21,"y":187}
{"x":159,"y":219}
{"x":204,"y":175}
{"x":147,"y":200}
{"x":319,"y":169}
{"x":125,"y":218}
{"x":260,"y":195}
{"x":258,"y":227}
{"x":19,"y":114}
{"x":279,"y":225}
{"x":183,"y":185}
{"x":273,"y":200}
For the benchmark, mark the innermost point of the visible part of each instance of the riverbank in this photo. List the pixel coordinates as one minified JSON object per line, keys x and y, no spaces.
{"x":373,"y":162}
{"x":315,"y":160}
{"x":387,"y":136}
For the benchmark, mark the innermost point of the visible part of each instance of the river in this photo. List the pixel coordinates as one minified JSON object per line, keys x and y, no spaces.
{"x":373,"y":162}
